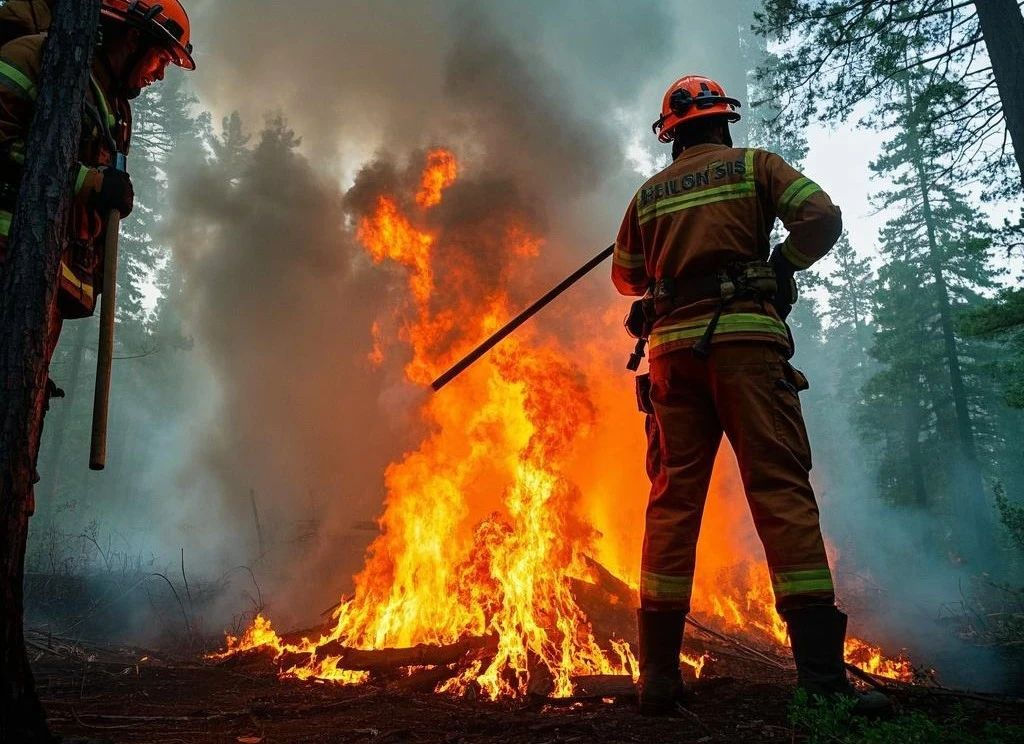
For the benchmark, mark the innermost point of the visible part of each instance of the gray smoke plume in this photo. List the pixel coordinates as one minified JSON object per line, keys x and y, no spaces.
{"x":280,"y":297}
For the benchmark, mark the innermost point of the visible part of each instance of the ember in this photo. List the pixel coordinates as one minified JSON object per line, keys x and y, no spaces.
{"x":497,"y":601}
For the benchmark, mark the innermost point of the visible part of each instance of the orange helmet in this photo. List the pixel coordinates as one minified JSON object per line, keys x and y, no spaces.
{"x":164,"y":20}
{"x":693,"y":97}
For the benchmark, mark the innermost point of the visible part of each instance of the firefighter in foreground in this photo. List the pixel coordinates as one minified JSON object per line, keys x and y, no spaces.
{"x":138,"y":40}
{"x":695,"y":244}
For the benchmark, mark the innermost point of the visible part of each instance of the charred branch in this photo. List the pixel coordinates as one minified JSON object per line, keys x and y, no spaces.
{"x":387,"y":659}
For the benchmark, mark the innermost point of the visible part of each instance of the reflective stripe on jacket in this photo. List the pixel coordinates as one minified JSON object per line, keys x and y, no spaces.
{"x":716,"y":205}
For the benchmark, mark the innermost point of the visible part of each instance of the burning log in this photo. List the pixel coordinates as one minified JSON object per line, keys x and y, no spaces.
{"x":423,"y":680}
{"x":384,"y":660}
{"x":612,"y":584}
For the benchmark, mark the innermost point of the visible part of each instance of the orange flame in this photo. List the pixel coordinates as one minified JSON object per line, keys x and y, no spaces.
{"x":440,"y":173}
{"x":503,"y":454}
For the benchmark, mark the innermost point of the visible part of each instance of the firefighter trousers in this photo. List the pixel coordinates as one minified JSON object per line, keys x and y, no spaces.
{"x":748,"y":391}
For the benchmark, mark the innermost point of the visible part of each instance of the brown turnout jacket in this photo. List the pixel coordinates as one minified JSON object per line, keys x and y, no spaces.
{"x":81,"y":265}
{"x":713,"y":206}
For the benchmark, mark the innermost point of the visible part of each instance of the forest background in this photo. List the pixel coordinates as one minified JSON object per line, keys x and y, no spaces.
{"x":246,"y":314}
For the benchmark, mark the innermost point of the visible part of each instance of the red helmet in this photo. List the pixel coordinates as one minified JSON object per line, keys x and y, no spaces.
{"x":164,"y":20}
{"x":693,"y":97}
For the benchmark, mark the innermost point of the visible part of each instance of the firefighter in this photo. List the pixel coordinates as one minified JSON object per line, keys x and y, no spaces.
{"x":138,"y":40}
{"x":694,"y":244}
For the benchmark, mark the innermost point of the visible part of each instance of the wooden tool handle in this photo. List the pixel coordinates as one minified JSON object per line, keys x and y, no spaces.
{"x":105,"y":354}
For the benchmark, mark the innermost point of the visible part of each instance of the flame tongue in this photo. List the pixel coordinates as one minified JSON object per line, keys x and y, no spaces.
{"x":432,"y":578}
{"x":494,"y":458}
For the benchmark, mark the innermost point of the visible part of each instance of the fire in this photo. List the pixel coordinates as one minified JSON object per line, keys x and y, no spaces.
{"x":871,"y":659}
{"x":440,"y":173}
{"x":489,"y":521}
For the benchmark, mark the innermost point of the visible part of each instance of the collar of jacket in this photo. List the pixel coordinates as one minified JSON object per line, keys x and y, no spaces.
{"x":698,"y":149}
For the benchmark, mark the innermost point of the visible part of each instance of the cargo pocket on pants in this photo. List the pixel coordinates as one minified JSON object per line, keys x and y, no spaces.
{"x":789,"y":418}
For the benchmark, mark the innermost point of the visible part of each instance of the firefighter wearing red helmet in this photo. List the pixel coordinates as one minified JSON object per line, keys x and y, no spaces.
{"x":694,"y":244}
{"x":138,"y":40}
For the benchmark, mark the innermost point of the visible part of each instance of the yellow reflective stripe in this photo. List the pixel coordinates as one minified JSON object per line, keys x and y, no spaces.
{"x":794,"y":256}
{"x":657,"y":206}
{"x":17,"y":152}
{"x":731,"y":323}
{"x":5,"y":223}
{"x":803,"y":581}
{"x":66,"y":272}
{"x":663,"y":586}
{"x":791,"y":190}
{"x":101,"y":100}
{"x":621,"y":257}
{"x":796,"y":194}
{"x":83,"y":173}
{"x":17,"y":81}
{"x":803,"y":195}
{"x":744,"y":188}
{"x":699,"y":198}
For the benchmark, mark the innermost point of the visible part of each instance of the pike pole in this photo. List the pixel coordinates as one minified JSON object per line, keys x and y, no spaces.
{"x":498,"y":336}
{"x":105,"y":353}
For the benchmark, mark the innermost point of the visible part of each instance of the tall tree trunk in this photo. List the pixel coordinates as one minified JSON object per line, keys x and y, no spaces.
{"x":1002,"y":25}
{"x":975,"y":512}
{"x":28,"y":296}
{"x":912,"y":441}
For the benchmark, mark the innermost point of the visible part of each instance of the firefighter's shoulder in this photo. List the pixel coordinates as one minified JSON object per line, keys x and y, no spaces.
{"x":21,"y":61}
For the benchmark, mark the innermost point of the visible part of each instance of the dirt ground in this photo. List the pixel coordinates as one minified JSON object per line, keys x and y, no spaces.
{"x":128,"y":695}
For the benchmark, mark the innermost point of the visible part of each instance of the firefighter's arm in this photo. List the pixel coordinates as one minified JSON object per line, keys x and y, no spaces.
{"x":20,"y":68}
{"x":813,"y":221}
{"x":629,"y":266}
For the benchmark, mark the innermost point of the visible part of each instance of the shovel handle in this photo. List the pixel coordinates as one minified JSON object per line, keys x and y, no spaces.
{"x":105,"y":354}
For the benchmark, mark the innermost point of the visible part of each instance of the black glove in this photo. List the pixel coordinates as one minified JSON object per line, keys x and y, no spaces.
{"x":116,"y":192}
{"x":785,"y":277}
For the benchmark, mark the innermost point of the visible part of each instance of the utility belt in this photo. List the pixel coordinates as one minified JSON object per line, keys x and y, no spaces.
{"x":751,"y":280}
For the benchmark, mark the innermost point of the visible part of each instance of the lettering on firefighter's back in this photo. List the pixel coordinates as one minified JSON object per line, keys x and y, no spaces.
{"x":713,"y":171}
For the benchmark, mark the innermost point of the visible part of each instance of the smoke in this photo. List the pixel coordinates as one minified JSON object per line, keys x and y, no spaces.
{"x":281,"y":299}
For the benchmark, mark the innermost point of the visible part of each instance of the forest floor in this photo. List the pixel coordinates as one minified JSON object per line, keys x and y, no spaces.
{"x":123,"y":694}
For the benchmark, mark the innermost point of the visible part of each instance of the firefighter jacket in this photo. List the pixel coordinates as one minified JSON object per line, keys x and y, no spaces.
{"x":712,"y":207}
{"x":106,"y":129}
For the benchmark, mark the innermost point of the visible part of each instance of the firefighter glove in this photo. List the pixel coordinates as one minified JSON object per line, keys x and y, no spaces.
{"x":785,"y":275}
{"x":116,"y":192}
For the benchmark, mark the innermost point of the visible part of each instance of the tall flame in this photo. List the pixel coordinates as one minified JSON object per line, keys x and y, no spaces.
{"x":502,"y":454}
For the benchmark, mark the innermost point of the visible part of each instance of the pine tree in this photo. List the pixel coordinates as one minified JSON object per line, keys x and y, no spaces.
{"x":1002,"y":321}
{"x":926,"y":404}
{"x":840,"y":54}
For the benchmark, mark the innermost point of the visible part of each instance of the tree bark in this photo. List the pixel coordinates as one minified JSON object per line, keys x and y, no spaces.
{"x":1002,"y":26}
{"x":912,"y":441}
{"x":28,"y":295}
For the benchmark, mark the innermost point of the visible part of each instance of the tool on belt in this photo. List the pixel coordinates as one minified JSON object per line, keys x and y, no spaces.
{"x":751,"y":280}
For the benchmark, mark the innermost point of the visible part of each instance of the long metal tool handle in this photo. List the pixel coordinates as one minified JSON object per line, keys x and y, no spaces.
{"x":105,"y":354}
{"x":499,"y":335}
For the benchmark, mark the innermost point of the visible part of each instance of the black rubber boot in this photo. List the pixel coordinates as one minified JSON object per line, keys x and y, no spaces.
{"x":661,"y":684}
{"x":817,"y":634}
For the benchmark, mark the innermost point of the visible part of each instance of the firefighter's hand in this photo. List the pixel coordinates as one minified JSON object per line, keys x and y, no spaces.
{"x":785,"y":277}
{"x":115,"y":192}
